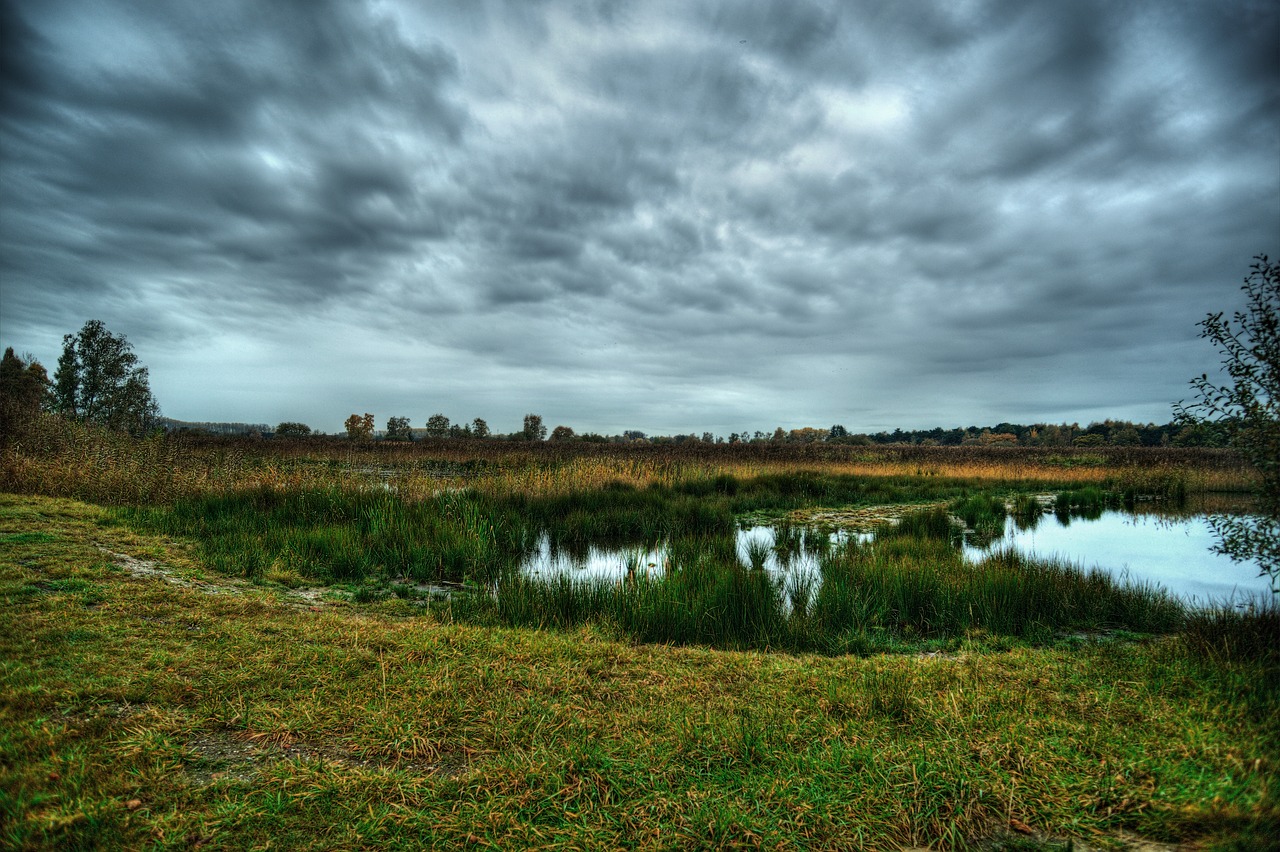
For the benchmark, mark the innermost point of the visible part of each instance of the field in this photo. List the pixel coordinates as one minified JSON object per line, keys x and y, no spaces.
{"x":222,"y":645}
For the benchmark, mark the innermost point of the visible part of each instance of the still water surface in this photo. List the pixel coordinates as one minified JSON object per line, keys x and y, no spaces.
{"x":1173,"y":553}
{"x":1148,"y":549}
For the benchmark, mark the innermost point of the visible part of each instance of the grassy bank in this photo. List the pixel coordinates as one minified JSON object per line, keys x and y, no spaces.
{"x":149,"y":702}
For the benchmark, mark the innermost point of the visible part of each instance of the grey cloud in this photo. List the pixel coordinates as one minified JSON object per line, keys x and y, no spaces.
{"x":914,"y":215}
{"x":695,"y":95}
{"x":183,"y":143}
{"x":792,"y":29}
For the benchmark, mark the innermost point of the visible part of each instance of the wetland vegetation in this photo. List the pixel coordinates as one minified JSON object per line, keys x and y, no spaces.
{"x":234,"y":644}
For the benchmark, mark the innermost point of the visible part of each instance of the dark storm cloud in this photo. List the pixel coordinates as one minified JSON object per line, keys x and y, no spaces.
{"x":246,"y":135}
{"x":657,"y":215}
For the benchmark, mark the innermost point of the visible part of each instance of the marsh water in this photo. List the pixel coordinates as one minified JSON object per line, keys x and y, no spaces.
{"x":1176,"y":553}
{"x":1149,"y":548}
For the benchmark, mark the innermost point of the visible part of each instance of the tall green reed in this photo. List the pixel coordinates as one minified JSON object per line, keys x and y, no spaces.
{"x":337,"y":535}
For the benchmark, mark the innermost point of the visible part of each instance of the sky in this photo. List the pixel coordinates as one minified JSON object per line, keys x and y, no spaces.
{"x":670,"y":216}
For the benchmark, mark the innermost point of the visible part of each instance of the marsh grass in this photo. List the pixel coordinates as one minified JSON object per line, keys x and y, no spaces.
{"x":910,"y":585}
{"x":67,"y":459}
{"x":194,"y":709}
{"x":309,"y":514}
{"x":1232,"y":633}
{"x":983,"y":516}
{"x":758,"y":554}
{"x":1027,"y":511}
{"x":370,"y":526}
{"x":703,"y":601}
{"x":173,"y":712}
{"x":341,"y":535}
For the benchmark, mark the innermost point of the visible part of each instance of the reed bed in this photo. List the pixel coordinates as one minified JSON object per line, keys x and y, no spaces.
{"x":339,"y":535}
{"x":910,"y":584}
{"x":67,"y":459}
{"x":339,"y":511}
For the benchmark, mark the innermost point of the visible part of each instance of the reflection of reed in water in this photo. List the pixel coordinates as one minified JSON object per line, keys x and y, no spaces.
{"x":1208,"y":503}
{"x":758,"y":553}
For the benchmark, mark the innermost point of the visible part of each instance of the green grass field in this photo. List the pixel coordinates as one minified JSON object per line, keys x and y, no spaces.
{"x":149,"y":701}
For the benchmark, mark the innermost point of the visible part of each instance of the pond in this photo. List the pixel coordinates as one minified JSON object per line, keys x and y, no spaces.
{"x":1175,"y":553}
{"x":1172,"y":552}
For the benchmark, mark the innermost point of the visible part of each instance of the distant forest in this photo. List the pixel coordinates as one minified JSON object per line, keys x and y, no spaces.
{"x":1111,"y":433}
{"x":210,"y":428}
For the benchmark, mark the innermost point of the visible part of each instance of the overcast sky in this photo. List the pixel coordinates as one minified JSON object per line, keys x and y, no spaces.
{"x":667,"y":216}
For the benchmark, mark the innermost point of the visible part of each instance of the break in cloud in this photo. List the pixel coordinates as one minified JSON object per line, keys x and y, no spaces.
{"x":670,"y":216}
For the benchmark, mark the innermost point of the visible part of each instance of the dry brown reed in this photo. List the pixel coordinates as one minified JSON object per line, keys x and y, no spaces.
{"x":60,"y":458}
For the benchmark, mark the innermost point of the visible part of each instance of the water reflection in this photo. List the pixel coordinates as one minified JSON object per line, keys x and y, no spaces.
{"x":1170,"y":551}
{"x":774,"y":549}
{"x":1173,"y":552}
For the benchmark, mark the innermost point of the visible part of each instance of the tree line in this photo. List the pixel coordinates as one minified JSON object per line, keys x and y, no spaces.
{"x":1108,"y":433}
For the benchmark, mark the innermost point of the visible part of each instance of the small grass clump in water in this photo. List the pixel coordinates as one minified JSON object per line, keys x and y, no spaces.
{"x":1027,"y":511}
{"x":983,"y":515}
{"x":1088,"y":502}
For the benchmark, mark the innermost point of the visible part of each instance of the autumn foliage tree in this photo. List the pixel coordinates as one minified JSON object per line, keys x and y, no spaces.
{"x":359,"y":428}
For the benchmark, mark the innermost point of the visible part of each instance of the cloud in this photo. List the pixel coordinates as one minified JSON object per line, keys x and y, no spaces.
{"x":659,"y":215}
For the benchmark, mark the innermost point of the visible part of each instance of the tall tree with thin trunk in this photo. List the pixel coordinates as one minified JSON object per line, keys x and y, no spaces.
{"x":99,"y":380}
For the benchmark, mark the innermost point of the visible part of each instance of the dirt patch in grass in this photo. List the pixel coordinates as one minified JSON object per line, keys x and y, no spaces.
{"x":237,"y":755}
{"x":150,"y":570}
{"x":310,"y":597}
